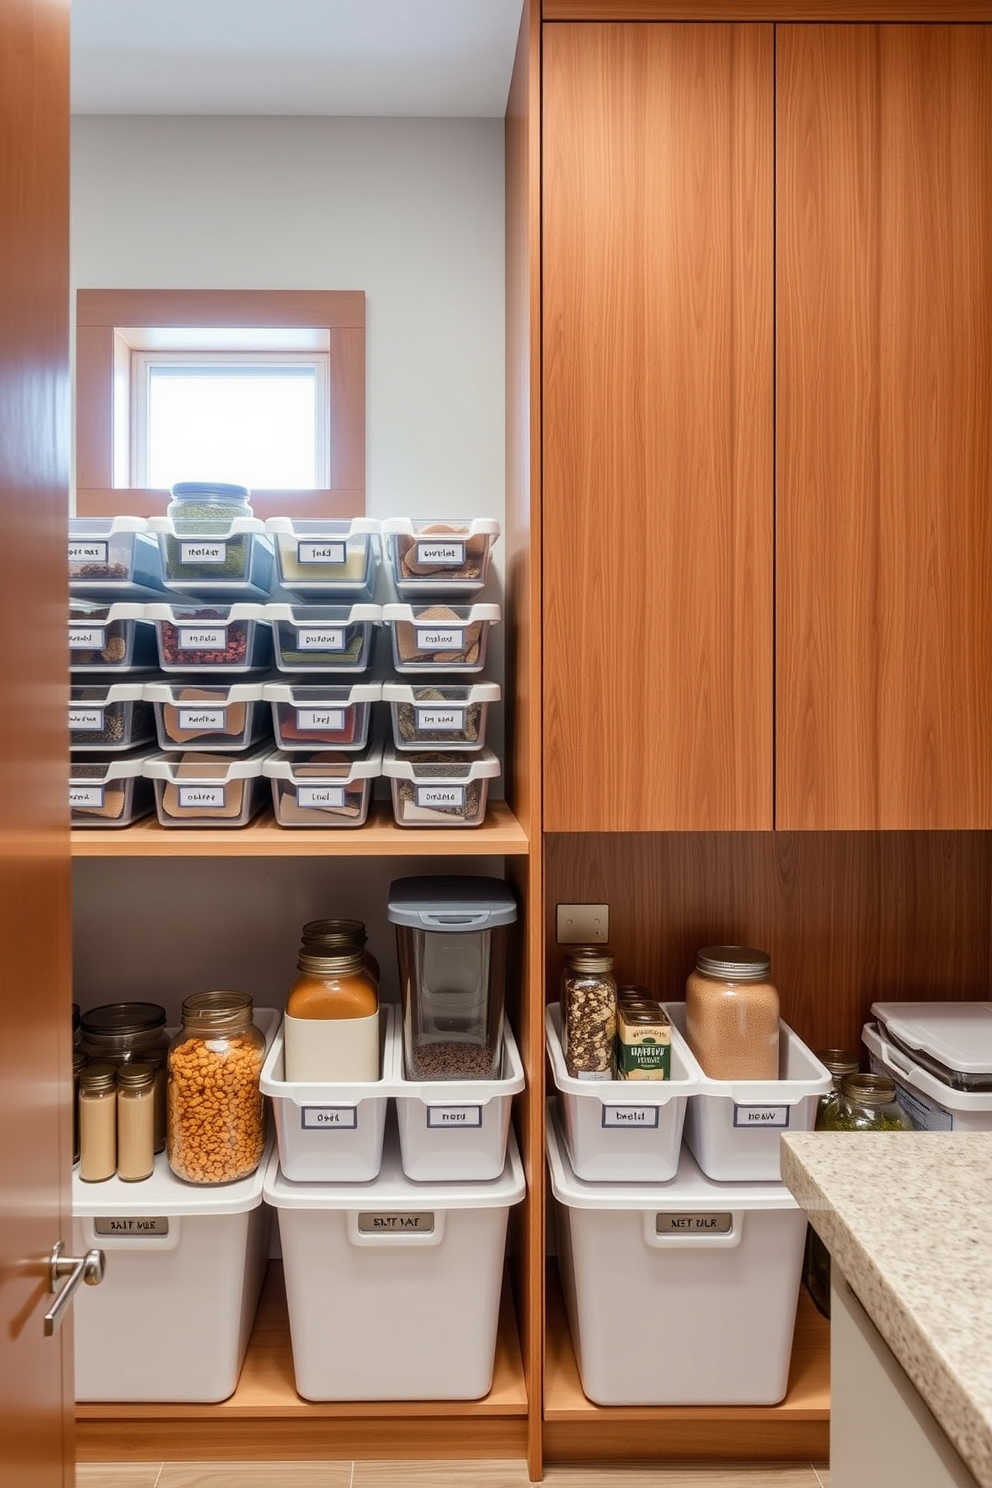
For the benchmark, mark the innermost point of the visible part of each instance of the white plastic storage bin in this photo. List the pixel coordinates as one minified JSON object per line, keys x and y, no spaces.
{"x":211,"y":637}
{"x":393,"y":1287}
{"x":442,"y":638}
{"x":323,"y":559}
{"x":207,"y":790}
{"x":107,"y":716}
{"x":930,"y":1102}
{"x":323,"y":638}
{"x":454,"y":1130}
{"x":113,"y":558}
{"x":109,"y":792}
{"x":324,"y":789}
{"x":682,"y":1294}
{"x":734,"y":1127}
{"x":223,"y":716}
{"x":622,"y":1131}
{"x":428,"y":715}
{"x":111,"y":637}
{"x":439,"y":555}
{"x":185,"y":1266}
{"x":230,"y":565}
{"x":321,"y":715}
{"x":330,"y":1132}
{"x":438,"y":789}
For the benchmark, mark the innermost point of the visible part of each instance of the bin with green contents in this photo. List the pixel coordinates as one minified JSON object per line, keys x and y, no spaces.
{"x":211,"y":545}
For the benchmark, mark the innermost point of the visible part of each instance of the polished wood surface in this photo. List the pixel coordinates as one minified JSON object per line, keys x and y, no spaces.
{"x":132,"y":501}
{"x":36,"y":1436}
{"x":767,"y":10}
{"x":884,"y":427}
{"x":657,"y":512}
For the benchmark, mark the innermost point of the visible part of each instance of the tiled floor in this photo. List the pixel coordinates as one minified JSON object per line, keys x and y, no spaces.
{"x":441,"y":1475}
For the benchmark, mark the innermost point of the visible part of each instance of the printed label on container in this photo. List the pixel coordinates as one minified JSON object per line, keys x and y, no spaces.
{"x":88,"y":552}
{"x":87,"y":637}
{"x":317,"y":797}
{"x":131,"y":1225}
{"x":202,"y":638}
{"x":329,"y":1118}
{"x":441,"y":554}
{"x":88,"y":719}
{"x":440,"y":640}
{"x":440,"y":795}
{"x":755,"y":1116}
{"x":642,"y":1116}
{"x":395,"y":1223}
{"x":693,"y":1224}
{"x":441,"y":720}
{"x":330,"y":719}
{"x":203,"y":552}
{"x":86,"y":795}
{"x":923,"y":1114}
{"x":320,"y":638}
{"x":452,"y":1116}
{"x":202,"y":718}
{"x":201,"y":795}
{"x":321,"y":552}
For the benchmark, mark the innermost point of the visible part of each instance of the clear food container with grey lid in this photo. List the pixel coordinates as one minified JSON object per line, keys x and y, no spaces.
{"x":451,"y":943}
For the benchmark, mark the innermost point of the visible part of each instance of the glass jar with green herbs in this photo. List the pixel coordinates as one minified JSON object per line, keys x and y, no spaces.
{"x":866,"y":1103}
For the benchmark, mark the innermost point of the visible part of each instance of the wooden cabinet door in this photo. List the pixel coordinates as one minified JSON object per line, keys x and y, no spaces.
{"x":657,"y":225}
{"x":884,"y":426}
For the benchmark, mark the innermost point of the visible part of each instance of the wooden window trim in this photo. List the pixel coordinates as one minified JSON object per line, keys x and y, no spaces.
{"x":341,"y":313}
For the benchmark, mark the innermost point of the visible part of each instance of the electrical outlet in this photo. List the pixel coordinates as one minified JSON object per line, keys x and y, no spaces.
{"x":583,"y":924}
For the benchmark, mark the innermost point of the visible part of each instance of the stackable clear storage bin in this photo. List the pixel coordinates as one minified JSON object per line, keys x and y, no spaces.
{"x":439,"y":555}
{"x":205,"y":715}
{"x":940,"y":1057}
{"x":734,"y":1127}
{"x":321,"y":715}
{"x":211,"y":637}
{"x":109,"y":792}
{"x":112,"y":637}
{"x":323,"y":638}
{"x":438,"y":789}
{"x":325,"y":789}
{"x":393,"y":1287}
{"x":432,"y":716}
{"x":681,"y":1293}
{"x":622,"y":1131}
{"x":113,"y":558}
{"x":325,"y":560}
{"x":229,"y":563}
{"x":109,"y":715}
{"x":207,"y":790}
{"x":440,"y":638}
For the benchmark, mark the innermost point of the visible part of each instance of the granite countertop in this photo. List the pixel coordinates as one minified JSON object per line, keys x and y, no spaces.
{"x":907,"y":1217}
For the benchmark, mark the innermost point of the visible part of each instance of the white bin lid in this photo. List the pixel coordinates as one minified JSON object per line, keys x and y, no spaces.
{"x":163,"y":1195}
{"x":956,"y":1034}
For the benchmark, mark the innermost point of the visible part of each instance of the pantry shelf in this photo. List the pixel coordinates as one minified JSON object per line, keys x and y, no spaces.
{"x":500,"y":833}
{"x":796,"y":1428}
{"x":265,"y":1418}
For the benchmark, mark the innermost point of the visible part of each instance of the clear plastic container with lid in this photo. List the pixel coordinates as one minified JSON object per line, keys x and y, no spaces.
{"x":589,"y":1012}
{"x":121,"y":1031}
{"x":331,"y":1028}
{"x":732,"y":1014}
{"x":207,"y":506}
{"x":216,"y":1127}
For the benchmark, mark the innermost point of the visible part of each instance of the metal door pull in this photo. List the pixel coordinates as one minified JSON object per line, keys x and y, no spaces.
{"x":89,"y":1268}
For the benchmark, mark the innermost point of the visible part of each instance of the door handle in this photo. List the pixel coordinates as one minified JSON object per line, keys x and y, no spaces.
{"x":89,"y":1268}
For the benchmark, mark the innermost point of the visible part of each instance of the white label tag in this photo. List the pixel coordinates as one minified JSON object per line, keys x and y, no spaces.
{"x":320,"y":638}
{"x":642,"y":1116}
{"x":329,"y":1118}
{"x":86,"y":795}
{"x":132,"y":1225}
{"x":86,"y":637}
{"x":760,"y":1116}
{"x":89,"y":720}
{"x":440,"y":640}
{"x":396,"y":1224}
{"x":201,"y":795}
{"x":88,"y":552}
{"x":317,"y":797}
{"x":440,"y":795}
{"x":321,"y":552}
{"x":441,"y":720}
{"x":441,"y":554}
{"x":693,"y":1224}
{"x":202,"y":718}
{"x":453,"y":1116}
{"x":198,"y":638}
{"x":202,"y":552}
{"x":331,"y":719}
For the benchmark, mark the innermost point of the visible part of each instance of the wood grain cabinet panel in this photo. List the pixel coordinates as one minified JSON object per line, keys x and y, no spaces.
{"x":657,"y":387}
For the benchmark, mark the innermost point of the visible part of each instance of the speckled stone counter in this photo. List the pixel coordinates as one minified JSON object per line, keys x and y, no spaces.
{"x":907,"y":1218}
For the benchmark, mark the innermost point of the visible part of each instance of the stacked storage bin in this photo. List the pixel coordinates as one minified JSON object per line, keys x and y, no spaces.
{"x":940,"y":1056}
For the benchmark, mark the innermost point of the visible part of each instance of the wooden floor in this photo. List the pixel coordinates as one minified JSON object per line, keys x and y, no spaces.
{"x":366,"y":1474}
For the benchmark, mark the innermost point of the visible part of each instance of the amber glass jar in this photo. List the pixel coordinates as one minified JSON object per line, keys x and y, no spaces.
{"x":732,"y":1013}
{"x":331,"y":1027}
{"x":216,"y":1130}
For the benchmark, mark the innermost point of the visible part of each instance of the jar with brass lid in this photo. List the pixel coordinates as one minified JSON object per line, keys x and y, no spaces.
{"x":331,"y":1027}
{"x":589,"y":1012}
{"x":320,"y":937}
{"x":732,"y":1014}
{"x":866,"y":1103}
{"x":135,"y":1121}
{"x":215,"y":1128}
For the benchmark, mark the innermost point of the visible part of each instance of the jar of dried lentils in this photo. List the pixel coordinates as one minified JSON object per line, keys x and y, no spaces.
{"x":216,"y":1128}
{"x":589,"y":1012}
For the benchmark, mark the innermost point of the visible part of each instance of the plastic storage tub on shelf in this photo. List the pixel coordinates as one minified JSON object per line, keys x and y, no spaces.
{"x":940,"y":1057}
{"x":734,"y":1127}
{"x":330,"y":1132}
{"x":222,"y":716}
{"x":324,"y":789}
{"x":678,"y":1294}
{"x":113,"y":558}
{"x":321,"y":715}
{"x":438,"y":789}
{"x":211,"y":637}
{"x":233,"y":563}
{"x":322,"y":559}
{"x":109,"y":792}
{"x":439,"y":555}
{"x":393,"y":1287}
{"x":622,"y":1131}
{"x":207,"y":790}
{"x":109,"y":715}
{"x":442,"y":638}
{"x":429,"y":715}
{"x":323,"y":638}
{"x":111,"y":637}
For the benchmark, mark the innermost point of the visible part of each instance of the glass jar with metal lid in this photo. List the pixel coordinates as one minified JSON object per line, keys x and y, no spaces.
{"x":589,"y":1012}
{"x":135,"y":1121}
{"x":867,"y":1103}
{"x":816,"y":1260}
{"x":121,"y":1031}
{"x":98,"y":1122}
{"x":216,"y":1129}
{"x":331,"y":1026}
{"x":207,"y":506}
{"x":840,"y":1063}
{"x":732,"y":1014}
{"x":327,"y":936}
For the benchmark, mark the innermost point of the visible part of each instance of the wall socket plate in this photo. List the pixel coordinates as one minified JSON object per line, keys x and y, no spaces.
{"x":583,"y":924}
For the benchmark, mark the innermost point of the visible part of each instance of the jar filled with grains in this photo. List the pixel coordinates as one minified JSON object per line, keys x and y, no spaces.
{"x":732,"y":1014}
{"x":589,"y":1012}
{"x":216,"y":1129}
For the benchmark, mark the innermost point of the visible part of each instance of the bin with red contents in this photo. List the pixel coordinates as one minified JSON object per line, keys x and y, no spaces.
{"x":308,"y":716}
